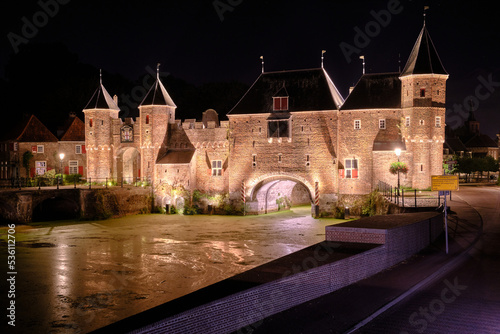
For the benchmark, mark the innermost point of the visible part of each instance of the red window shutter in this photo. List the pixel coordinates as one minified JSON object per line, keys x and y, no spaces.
{"x":83,"y":149}
{"x":354,"y":173}
{"x":32,"y":172}
{"x":277,"y":104}
{"x":33,"y":149}
{"x":80,"y":170}
{"x":341,"y":173}
{"x":66,"y":169}
{"x":284,"y":103}
{"x":138,"y":173}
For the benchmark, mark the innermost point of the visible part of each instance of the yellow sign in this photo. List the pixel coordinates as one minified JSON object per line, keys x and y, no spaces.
{"x":444,"y":182}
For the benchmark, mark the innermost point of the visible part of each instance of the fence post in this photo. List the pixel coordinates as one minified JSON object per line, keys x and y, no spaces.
{"x":90,"y":183}
{"x":106,"y":183}
{"x":403,"y":197}
{"x":415,"y":197}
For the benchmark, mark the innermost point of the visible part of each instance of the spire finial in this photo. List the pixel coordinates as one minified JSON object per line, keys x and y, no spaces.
{"x":363,"y":58}
{"x":262,"y":61}
{"x":100,"y":76}
{"x":322,"y":57}
{"x":158,"y":71}
{"x":425,"y":9}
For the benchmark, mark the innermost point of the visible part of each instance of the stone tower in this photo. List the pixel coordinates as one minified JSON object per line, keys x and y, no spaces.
{"x":99,"y":115}
{"x":423,"y":96}
{"x":157,"y":111}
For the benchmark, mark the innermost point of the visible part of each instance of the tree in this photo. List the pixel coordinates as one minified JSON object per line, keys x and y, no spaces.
{"x":27,"y":156}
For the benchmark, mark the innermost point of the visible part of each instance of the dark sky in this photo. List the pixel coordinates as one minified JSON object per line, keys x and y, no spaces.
{"x":200,"y":44}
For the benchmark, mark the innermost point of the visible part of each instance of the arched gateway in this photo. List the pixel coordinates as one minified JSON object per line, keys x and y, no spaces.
{"x":276,"y":192}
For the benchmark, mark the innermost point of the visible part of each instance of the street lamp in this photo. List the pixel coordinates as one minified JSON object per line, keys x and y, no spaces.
{"x":398,"y":153}
{"x":61,"y":157}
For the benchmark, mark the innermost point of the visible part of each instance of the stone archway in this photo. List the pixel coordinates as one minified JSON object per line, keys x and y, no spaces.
{"x":278,"y":192}
{"x":128,"y":165}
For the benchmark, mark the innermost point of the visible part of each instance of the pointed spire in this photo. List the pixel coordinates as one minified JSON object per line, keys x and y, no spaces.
{"x":101,"y":98}
{"x":157,"y":94}
{"x":322,"y":57}
{"x":424,"y":58}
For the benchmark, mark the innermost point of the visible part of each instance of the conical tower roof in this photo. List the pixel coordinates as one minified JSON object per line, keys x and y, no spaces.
{"x":101,"y":99}
{"x":157,"y":94}
{"x":424,"y":58}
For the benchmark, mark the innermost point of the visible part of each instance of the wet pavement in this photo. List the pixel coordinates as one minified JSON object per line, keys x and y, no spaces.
{"x":74,"y":277}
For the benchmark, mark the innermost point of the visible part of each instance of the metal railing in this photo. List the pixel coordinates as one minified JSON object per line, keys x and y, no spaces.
{"x":408,"y":198}
{"x":41,"y":182}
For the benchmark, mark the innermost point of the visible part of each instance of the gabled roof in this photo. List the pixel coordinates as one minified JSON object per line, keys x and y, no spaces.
{"x":455,"y":145}
{"x":481,"y":140}
{"x":32,"y":130}
{"x":375,"y":91}
{"x":74,"y":130}
{"x":158,"y":95}
{"x":308,"y":90}
{"x":174,"y":156}
{"x":424,"y":58}
{"x":101,"y":100}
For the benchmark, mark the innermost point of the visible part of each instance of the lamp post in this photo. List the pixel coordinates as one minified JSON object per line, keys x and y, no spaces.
{"x":398,"y":153}
{"x":61,"y":157}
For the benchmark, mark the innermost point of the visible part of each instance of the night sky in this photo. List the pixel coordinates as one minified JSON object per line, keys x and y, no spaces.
{"x":209,"y":41}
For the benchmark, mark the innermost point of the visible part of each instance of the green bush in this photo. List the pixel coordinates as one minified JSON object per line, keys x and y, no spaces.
{"x":191,"y":210}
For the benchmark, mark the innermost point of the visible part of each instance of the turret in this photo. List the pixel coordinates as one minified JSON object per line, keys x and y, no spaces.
{"x":423,"y":97}
{"x":157,"y":111}
{"x":99,"y":113}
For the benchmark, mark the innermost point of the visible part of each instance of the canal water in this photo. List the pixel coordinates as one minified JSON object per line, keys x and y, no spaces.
{"x":74,"y":277}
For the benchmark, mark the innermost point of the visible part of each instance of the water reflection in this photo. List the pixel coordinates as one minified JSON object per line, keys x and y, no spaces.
{"x":100,"y":272}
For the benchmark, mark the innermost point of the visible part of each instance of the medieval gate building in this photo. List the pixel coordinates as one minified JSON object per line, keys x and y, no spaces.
{"x":292,"y":136}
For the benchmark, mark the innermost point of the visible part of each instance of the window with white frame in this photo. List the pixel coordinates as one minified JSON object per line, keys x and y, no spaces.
{"x":217,"y":168}
{"x":381,"y":123}
{"x":39,"y":149}
{"x":351,"y":168}
{"x":407,"y":121}
{"x":357,"y":124}
{"x":73,"y":166}
{"x":40,"y":167}
{"x":78,"y":149}
{"x":438,"y":122}
{"x":280,"y":103}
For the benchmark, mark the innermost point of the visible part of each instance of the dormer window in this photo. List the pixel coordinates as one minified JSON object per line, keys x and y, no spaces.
{"x":280,"y":103}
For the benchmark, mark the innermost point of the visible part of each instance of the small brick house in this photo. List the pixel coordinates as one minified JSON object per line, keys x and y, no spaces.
{"x":33,"y":136}
{"x":291,"y":136}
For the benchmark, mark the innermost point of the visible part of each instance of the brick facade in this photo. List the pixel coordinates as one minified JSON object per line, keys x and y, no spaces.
{"x":291,"y":127}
